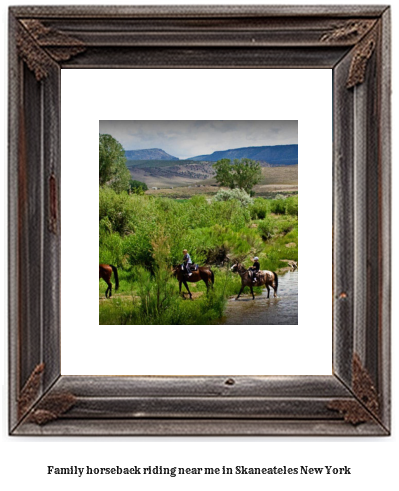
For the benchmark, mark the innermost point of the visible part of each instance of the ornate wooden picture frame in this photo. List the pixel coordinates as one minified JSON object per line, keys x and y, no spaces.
{"x":354,"y":42}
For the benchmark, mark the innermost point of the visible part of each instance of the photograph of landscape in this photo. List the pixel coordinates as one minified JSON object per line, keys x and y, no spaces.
{"x":198,"y":222}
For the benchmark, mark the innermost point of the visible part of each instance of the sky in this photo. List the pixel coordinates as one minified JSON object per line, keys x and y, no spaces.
{"x":185,"y":139}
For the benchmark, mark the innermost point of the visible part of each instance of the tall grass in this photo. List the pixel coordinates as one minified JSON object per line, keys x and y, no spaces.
{"x":152,"y":301}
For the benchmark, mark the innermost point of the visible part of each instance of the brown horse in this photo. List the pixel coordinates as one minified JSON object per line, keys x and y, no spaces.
{"x":105,"y":273}
{"x":202,"y":273}
{"x":267,"y":278}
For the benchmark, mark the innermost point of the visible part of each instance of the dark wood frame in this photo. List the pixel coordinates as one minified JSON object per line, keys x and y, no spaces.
{"x":352,"y":41}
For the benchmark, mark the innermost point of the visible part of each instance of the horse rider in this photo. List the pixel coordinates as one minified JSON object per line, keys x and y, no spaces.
{"x":187,"y":262}
{"x":255,"y":268}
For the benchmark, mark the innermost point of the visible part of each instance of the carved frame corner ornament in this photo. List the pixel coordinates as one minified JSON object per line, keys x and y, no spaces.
{"x":38,"y":45}
{"x":361,"y":56}
{"x":366,"y":406}
{"x":352,"y":30}
{"x":51,"y":407}
{"x":351,"y":41}
{"x":30,"y":391}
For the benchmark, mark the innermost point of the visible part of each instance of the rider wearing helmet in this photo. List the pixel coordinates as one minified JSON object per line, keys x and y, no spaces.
{"x":255,"y":268}
{"x":187,"y":262}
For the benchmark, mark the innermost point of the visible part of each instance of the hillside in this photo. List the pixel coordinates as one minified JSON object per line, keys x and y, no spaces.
{"x":170,"y":173}
{"x":158,"y":169}
{"x":153,"y":163}
{"x":272,"y":155}
{"x":148,"y":154}
{"x":275,"y":180}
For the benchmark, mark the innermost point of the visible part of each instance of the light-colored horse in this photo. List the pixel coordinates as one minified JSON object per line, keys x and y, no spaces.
{"x":267,"y":278}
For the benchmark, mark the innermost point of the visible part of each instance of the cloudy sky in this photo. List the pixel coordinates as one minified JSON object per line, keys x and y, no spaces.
{"x":185,"y":139}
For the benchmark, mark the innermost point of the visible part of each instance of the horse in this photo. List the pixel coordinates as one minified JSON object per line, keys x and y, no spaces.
{"x":202,"y":273}
{"x":267,"y":278}
{"x":105,"y":273}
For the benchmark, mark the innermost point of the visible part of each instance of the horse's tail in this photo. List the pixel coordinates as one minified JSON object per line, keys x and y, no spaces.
{"x":275,"y":281}
{"x":212,"y":277}
{"x":116,"y":276}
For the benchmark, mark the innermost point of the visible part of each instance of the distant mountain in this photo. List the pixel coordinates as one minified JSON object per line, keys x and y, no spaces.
{"x":149,"y":154}
{"x":273,"y":155}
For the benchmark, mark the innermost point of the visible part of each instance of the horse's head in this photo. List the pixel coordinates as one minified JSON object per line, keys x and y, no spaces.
{"x":238,"y":268}
{"x":175,"y":270}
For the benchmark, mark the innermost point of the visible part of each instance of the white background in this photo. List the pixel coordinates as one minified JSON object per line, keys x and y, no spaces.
{"x":373,"y":461}
{"x":91,"y":95}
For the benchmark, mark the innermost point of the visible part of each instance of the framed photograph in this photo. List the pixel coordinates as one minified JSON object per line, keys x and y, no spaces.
{"x":195,"y":227}
{"x":168,"y":65}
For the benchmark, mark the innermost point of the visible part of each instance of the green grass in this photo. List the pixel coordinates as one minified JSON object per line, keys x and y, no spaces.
{"x":151,"y":302}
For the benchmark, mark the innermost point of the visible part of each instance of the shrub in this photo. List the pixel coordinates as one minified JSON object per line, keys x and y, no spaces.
{"x":239,"y":194}
{"x":111,"y":249}
{"x":266,"y":228}
{"x":291,"y":206}
{"x":277,"y":206}
{"x":259,"y":209}
{"x":137,"y":187}
{"x":116,"y":208}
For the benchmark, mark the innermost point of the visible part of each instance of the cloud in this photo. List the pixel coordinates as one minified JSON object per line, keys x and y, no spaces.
{"x":186,"y":139}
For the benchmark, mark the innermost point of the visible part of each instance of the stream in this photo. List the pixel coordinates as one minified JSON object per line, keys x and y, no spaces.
{"x":282,"y":310}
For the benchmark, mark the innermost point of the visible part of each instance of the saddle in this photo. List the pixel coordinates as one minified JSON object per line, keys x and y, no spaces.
{"x":193,"y":267}
{"x":254,"y":275}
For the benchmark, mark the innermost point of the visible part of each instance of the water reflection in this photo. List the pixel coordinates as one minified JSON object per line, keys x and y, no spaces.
{"x":282,"y":310}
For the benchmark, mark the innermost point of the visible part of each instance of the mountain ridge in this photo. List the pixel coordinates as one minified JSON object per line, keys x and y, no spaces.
{"x":272,"y":154}
{"x":149,"y":154}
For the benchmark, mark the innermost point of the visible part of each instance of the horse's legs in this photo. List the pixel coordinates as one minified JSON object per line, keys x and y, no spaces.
{"x":185,"y":284}
{"x":242,"y":288}
{"x":108,"y":291}
{"x":179,"y":287}
{"x":268,"y":291}
{"x":253,"y":296}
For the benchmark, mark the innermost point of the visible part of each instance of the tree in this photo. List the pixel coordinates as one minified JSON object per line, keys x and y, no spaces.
{"x":224,"y":173}
{"x":242,"y":174}
{"x":113,"y":171}
{"x":137,"y":187}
